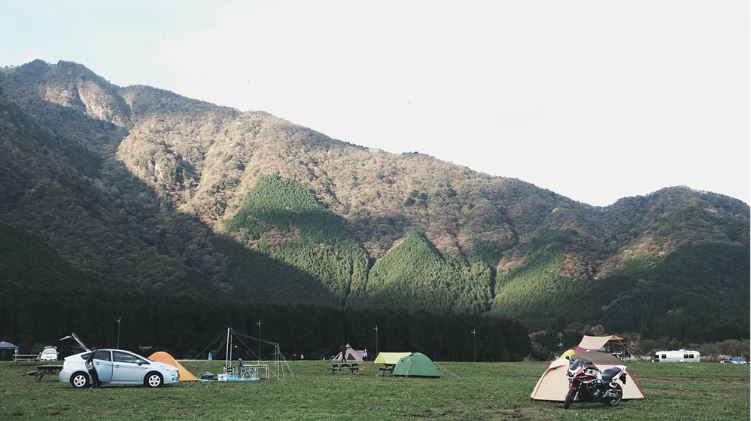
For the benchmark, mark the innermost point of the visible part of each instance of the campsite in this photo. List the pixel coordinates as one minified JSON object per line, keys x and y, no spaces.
{"x":465,"y":391}
{"x":336,"y":210}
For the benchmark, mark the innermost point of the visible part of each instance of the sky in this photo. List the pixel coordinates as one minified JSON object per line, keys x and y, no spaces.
{"x":595,"y":100}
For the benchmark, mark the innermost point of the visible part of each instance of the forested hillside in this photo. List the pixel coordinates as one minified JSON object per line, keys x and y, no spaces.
{"x":147,"y":191}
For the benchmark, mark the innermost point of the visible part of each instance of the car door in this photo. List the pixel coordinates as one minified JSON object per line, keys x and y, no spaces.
{"x":128,"y":368}
{"x":103,"y":365}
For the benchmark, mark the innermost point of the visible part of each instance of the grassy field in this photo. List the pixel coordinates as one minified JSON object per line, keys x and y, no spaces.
{"x":472,"y":391}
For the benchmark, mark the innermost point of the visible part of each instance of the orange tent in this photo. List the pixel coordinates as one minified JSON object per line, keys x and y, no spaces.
{"x":163,"y":357}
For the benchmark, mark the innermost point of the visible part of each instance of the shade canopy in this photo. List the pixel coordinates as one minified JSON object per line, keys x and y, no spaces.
{"x":597,"y":342}
{"x":7,"y":345}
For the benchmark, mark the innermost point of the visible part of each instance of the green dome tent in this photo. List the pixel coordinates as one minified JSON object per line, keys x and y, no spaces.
{"x":416,"y":364}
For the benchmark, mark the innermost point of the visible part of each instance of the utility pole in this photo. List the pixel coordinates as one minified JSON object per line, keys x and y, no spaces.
{"x":376,"y":331}
{"x":259,"y":342}
{"x":474,"y":345}
{"x":118,"y":332}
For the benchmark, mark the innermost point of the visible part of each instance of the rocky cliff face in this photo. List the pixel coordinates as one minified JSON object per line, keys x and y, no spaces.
{"x":144,"y":159}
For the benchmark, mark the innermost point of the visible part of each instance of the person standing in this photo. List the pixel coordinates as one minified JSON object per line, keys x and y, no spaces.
{"x":343,"y":350}
{"x":90,"y":366}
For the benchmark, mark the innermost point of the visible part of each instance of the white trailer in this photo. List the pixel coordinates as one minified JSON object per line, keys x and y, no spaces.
{"x":680,"y":356}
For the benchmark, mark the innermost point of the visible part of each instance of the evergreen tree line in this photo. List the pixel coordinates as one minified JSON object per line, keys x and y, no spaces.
{"x":190,"y":328}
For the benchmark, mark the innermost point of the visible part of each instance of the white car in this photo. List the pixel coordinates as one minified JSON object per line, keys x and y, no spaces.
{"x":116,"y":366}
{"x":49,"y":353}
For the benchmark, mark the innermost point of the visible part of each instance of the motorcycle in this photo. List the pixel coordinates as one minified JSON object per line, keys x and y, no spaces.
{"x":587,"y":384}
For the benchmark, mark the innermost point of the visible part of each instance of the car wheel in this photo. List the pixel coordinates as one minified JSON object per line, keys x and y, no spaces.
{"x":153,"y":380}
{"x":79,"y":380}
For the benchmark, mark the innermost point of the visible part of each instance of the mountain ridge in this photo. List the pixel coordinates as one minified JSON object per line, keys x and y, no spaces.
{"x":203,"y":160}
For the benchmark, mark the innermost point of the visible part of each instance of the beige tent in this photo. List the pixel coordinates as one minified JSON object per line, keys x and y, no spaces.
{"x":390,"y":357}
{"x":553,"y":383}
{"x":597,"y":342}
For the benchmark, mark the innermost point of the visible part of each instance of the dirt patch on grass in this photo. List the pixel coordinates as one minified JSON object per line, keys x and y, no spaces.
{"x":521,"y":414}
{"x":59,"y":411}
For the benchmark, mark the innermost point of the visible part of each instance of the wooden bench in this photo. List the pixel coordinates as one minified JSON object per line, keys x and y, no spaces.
{"x":337,"y":368}
{"x":20,"y":358}
{"x":45,"y":369}
{"x":386,"y":369}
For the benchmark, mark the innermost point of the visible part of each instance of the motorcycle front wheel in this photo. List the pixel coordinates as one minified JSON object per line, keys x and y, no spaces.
{"x":569,"y":398}
{"x":617,"y":395}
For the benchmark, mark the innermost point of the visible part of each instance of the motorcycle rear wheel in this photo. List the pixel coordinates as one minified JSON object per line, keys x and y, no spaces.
{"x":569,"y":398}
{"x":615,"y":400}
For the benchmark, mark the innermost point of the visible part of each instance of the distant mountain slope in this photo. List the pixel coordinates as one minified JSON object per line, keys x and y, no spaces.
{"x":414,"y":275}
{"x":27,"y":258}
{"x":283,"y":219}
{"x":162,"y":191}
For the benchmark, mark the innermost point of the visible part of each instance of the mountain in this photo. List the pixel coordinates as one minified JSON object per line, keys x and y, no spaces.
{"x":153,"y":191}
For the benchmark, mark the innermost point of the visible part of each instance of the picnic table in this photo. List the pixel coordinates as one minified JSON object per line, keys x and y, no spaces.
{"x":386,"y":369}
{"x":41,"y":370}
{"x":19,"y":358}
{"x":354,"y":368}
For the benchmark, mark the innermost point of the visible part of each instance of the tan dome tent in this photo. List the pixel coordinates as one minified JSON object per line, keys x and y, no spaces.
{"x":163,"y":357}
{"x":553,"y":383}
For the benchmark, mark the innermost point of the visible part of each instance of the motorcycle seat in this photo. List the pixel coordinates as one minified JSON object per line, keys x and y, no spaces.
{"x":609,"y":373}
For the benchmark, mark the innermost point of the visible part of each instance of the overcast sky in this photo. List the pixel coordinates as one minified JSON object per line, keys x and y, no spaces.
{"x":594,"y":100}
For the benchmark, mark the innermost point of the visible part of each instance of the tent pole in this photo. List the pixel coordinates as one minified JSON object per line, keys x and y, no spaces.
{"x":226,"y":352}
{"x":259,"y":342}
{"x":278,"y":366}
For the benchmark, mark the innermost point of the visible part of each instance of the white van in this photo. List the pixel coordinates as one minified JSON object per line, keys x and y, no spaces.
{"x":49,"y":353}
{"x":680,"y":356}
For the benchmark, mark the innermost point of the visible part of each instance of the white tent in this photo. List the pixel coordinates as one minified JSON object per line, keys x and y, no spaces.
{"x":350,"y":354}
{"x":553,"y":383}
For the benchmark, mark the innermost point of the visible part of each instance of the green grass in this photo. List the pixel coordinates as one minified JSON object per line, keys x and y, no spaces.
{"x":469,"y":391}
